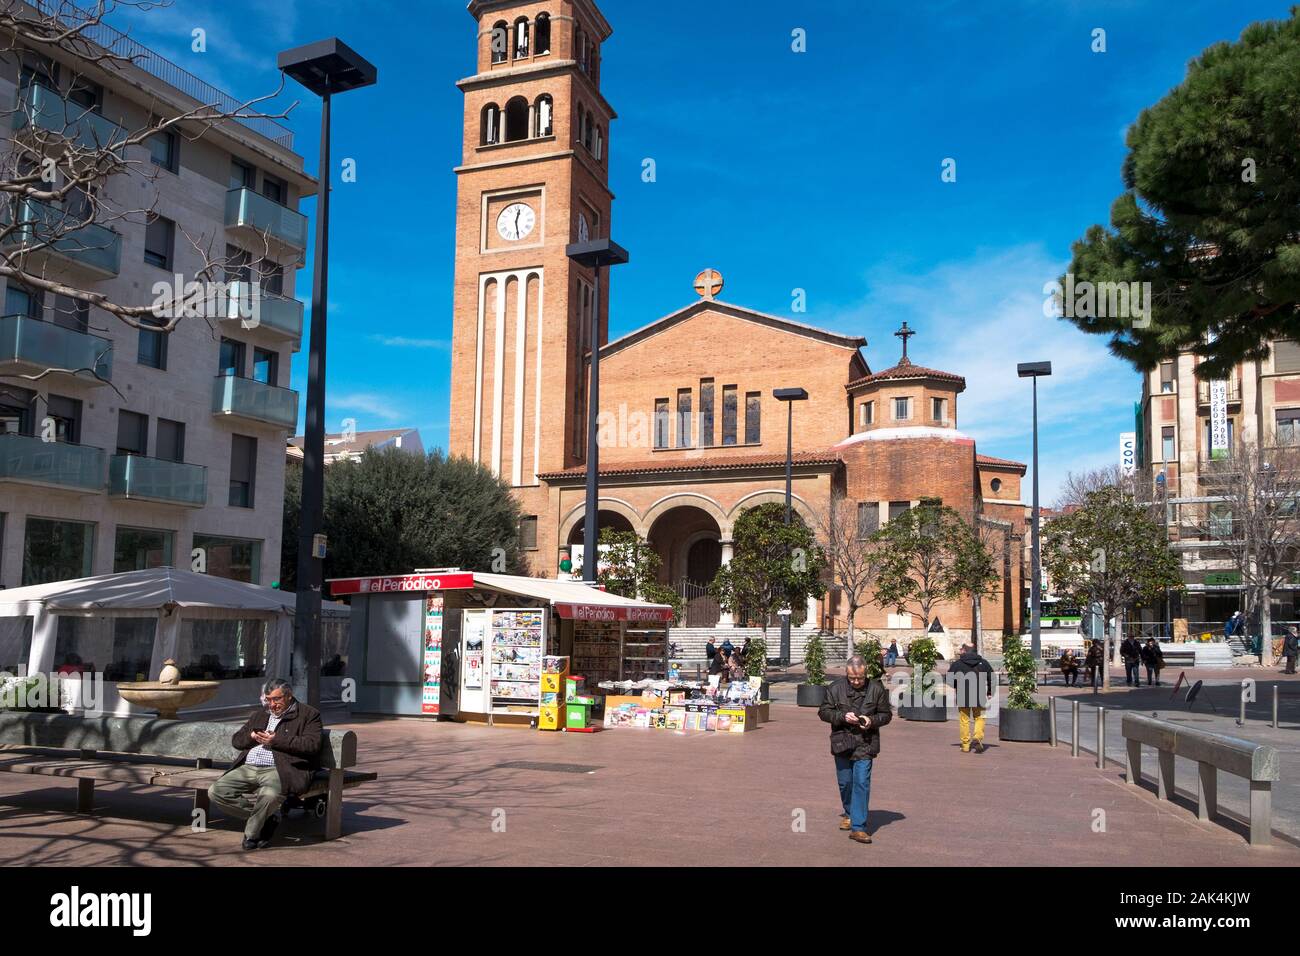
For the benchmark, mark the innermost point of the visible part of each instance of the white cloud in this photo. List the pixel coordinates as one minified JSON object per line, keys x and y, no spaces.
{"x":366,"y":403}
{"x":398,"y":341}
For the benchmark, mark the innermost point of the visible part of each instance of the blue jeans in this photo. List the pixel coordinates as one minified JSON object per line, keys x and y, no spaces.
{"x":1131,"y":673}
{"x":854,"y":778}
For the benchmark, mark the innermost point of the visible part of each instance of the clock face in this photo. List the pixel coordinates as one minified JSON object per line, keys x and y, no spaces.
{"x":583,"y":232}
{"x":516,"y":221}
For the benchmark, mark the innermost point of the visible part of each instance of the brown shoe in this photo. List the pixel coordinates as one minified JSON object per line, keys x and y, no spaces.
{"x":978,"y":746}
{"x":845,"y":824}
{"x":860,"y":836}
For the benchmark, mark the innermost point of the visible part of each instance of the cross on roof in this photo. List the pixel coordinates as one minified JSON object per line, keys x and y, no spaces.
{"x":905,"y":333}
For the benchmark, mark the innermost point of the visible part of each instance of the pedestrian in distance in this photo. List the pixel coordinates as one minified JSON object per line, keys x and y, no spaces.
{"x":856,"y":708}
{"x":710,"y":650}
{"x":1154,"y":659}
{"x":1290,"y":649}
{"x":972,"y":678}
{"x":1069,"y":665}
{"x":1131,"y":651}
{"x":891,"y":655}
{"x":1094,"y":662}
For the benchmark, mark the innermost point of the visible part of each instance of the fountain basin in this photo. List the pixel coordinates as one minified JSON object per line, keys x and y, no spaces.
{"x":167,"y":699}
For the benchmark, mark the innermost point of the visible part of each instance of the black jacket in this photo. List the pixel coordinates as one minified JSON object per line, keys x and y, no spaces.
{"x":1153,"y":656}
{"x":296,"y":746}
{"x":1130,"y":650}
{"x":1290,"y":646}
{"x":871,"y":701}
{"x":972,"y":689}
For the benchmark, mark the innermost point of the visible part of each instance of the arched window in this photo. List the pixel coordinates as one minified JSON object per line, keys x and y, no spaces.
{"x":544,"y":110}
{"x":582,"y":122}
{"x":521,"y":38}
{"x":600,"y":144}
{"x":588,"y":132}
{"x":581,"y":49}
{"x":543,"y":30}
{"x":490,"y":128}
{"x":500,"y":41}
{"x":516,"y":120}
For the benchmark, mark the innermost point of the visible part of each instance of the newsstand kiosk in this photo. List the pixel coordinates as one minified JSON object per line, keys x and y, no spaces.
{"x":471,"y":645}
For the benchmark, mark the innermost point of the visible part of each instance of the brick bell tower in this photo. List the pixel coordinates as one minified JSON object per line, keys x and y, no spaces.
{"x":533,"y":179}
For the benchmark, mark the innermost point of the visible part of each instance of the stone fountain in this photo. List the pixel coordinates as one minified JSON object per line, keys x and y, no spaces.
{"x":168,"y":693}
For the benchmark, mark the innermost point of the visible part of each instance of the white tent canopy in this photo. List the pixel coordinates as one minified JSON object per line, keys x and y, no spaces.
{"x":153,"y":589}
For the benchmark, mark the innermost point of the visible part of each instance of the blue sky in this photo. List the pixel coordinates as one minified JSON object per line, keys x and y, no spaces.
{"x":817,"y":171}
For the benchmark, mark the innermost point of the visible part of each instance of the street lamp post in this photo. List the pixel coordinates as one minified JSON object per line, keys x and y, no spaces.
{"x":789,"y":396}
{"x":1162,"y":487}
{"x":325,"y":67}
{"x":594,"y":254}
{"x":1035,"y":370}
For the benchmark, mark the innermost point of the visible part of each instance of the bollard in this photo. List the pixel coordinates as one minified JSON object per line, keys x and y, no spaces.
{"x":1101,"y":738}
{"x":1074,"y":728}
{"x":1241,"y":720}
{"x":1051,"y":720}
{"x":1275,"y":706}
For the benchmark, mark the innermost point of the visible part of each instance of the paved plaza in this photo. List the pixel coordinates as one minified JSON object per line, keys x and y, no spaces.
{"x":454,"y":794}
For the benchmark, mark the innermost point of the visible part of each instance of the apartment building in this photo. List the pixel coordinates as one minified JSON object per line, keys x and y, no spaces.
{"x":1260,"y":402}
{"x":174,"y":453}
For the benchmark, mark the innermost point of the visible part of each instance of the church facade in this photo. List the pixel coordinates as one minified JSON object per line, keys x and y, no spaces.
{"x":689,"y":436}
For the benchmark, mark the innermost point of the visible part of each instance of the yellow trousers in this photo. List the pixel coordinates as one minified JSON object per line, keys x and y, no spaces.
{"x":964,"y":715}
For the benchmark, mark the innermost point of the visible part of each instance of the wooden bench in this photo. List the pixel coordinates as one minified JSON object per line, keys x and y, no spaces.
{"x":147,"y":751}
{"x":1257,"y":763}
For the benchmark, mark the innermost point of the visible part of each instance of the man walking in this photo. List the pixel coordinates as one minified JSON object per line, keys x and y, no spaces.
{"x":1131,"y":651}
{"x":278,"y":749}
{"x":1290,"y":649}
{"x":856,"y":708}
{"x":972,"y":678}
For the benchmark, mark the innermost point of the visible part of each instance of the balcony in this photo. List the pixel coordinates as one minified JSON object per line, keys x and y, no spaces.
{"x":1203,"y":392}
{"x":276,"y":314}
{"x":55,"y":232}
{"x":258,"y":217}
{"x":254,"y":401}
{"x":30,"y":346}
{"x":41,"y":108}
{"x":35,"y":462}
{"x":152,"y":479}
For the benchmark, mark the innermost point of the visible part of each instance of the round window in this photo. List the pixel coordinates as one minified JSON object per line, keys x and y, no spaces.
{"x":996,"y":484}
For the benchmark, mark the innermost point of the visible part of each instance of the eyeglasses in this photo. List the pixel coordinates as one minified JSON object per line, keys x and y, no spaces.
{"x":276,"y":700}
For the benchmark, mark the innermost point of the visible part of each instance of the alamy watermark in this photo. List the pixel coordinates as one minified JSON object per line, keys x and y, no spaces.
{"x":44,"y":691}
{"x":1098,"y":300}
{"x":209,"y":300}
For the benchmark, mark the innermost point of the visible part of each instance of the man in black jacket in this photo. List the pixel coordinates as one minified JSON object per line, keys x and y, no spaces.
{"x":972,"y":677}
{"x":278,"y":751}
{"x":1131,"y":651}
{"x":856,"y":708}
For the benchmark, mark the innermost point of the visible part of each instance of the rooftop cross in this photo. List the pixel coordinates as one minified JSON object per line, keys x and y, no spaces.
{"x":905,"y":333}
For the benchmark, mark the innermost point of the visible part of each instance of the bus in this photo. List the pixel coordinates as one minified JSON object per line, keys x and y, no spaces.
{"x":1055,"y":612}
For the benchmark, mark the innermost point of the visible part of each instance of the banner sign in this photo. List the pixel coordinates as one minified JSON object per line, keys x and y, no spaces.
{"x":1218,"y":419}
{"x":597,"y":612}
{"x":430,"y":699}
{"x":1127,"y":452}
{"x":402,"y":582}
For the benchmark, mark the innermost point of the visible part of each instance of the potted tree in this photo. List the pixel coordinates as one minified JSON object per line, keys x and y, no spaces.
{"x":1022,"y":717}
{"x":812,"y":691}
{"x":870,"y":650}
{"x":922,"y":655}
{"x":756,"y":670}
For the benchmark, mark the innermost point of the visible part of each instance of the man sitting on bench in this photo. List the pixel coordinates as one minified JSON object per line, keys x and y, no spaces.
{"x":279,"y":746}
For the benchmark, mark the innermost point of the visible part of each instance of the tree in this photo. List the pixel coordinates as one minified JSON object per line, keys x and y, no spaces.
{"x":1252,"y":515}
{"x":975,"y":568}
{"x":391,"y":512}
{"x":1110,"y":552}
{"x":69,"y":175}
{"x":774,"y":566}
{"x":930,"y":556}
{"x":852,"y":556}
{"x":1210,"y":215}
{"x":629,"y":567}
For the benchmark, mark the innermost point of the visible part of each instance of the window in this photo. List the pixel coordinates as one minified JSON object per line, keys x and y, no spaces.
{"x":132,"y":433}
{"x":72,"y":314}
{"x":57,"y":550}
{"x":582,"y":123}
{"x":169,"y":441}
{"x":238,"y":265}
{"x":1167,"y":450}
{"x":521,"y":38}
{"x":753,"y":423}
{"x":1208,"y":434}
{"x":491,"y":125}
{"x":706,"y":412}
{"x":866,"y":414}
{"x":85,"y":94}
{"x":275,"y":190}
{"x":580,"y":44}
{"x":16,"y":410}
{"x":996,"y":484}
{"x":528,"y":533}
{"x":243,"y":470}
{"x":266,"y":366}
{"x":234,"y":558}
{"x":163,"y":150}
{"x":683,"y":418}
{"x":500,"y":41}
{"x":588,"y":131}
{"x":897,"y":508}
{"x":66,"y":413}
{"x":1286,"y":356}
{"x":19,"y":301}
{"x":600,"y":144}
{"x":661,"y":423}
{"x":242,"y":175}
{"x":1288,"y":426}
{"x":1220,"y":522}
{"x":158,"y":235}
{"x":902,"y":409}
{"x":516,"y":120}
{"x":728,"y":414}
{"x":1166,"y":376}
{"x":939,"y":409}
{"x":16,"y":644}
{"x":138,"y":549}
{"x":542,"y":37}
{"x":221,"y":649}
{"x":151,"y":349}
{"x":231,"y":359}
{"x":544,"y":109}
{"x":868,"y":518}
{"x":272,"y":278}
{"x":119,"y":648}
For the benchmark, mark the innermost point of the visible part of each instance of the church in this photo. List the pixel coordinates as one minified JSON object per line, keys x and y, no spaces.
{"x":690,"y":437}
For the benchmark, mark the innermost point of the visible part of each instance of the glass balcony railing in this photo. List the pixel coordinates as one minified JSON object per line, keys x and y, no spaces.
{"x":256,"y":401}
{"x":263,"y":310}
{"x":38,"y":345}
{"x":152,"y":479}
{"x":40,"y":107}
{"x":246,"y":209}
{"x":27,"y":459}
{"x":60,"y":233}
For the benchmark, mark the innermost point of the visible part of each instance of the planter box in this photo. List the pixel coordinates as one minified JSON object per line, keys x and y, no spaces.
{"x":763,"y":712}
{"x":811,"y":695}
{"x":1032,"y":726}
{"x":935,"y":714}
